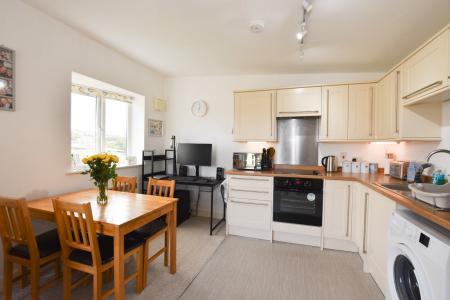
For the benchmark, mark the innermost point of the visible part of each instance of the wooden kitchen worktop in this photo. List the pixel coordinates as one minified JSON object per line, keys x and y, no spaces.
{"x":372,"y":181}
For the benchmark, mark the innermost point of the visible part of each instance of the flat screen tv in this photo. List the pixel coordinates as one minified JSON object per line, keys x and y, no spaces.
{"x":194,"y":154}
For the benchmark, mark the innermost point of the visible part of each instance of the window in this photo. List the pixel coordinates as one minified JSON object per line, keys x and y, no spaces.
{"x":99,"y":122}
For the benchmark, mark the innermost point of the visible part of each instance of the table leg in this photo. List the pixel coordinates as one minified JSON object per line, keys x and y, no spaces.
{"x":212,"y":210}
{"x":173,"y":239}
{"x":119,"y":268}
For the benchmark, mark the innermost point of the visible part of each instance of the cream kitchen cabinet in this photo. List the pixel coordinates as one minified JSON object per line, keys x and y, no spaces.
{"x":254,"y":116}
{"x":360,"y":196}
{"x":361,"y":112}
{"x":249,"y":208}
{"x":299,"y":102}
{"x":334,"y":121}
{"x":396,"y":122}
{"x":338,"y":215}
{"x":379,"y":211}
{"x":337,"y":209}
{"x":387,"y":106}
{"x":427,"y":71}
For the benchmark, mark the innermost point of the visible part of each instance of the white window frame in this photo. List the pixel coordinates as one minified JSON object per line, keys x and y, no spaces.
{"x":100,"y":119}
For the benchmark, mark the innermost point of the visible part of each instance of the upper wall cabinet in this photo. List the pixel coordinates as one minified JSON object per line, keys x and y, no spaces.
{"x":425,"y":75}
{"x":300,"y":102}
{"x":254,"y":116}
{"x":361,"y":118}
{"x":334,"y":121}
{"x":387,"y":106}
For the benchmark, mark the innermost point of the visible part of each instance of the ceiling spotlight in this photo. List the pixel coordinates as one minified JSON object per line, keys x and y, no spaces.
{"x":307,"y":6}
{"x":257,"y":26}
{"x":301,"y":34}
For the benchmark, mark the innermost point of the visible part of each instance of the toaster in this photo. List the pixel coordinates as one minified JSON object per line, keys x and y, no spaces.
{"x":398,"y":169}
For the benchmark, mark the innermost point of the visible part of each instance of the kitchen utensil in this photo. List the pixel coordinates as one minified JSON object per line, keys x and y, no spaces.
{"x":399,"y":169}
{"x":330,"y":163}
{"x":347,"y":166}
{"x":365,"y":166}
{"x":437,"y":195}
{"x":356,"y":167}
{"x":373,"y":168}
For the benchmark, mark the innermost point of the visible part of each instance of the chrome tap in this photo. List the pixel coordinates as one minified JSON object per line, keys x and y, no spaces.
{"x":435,"y":152}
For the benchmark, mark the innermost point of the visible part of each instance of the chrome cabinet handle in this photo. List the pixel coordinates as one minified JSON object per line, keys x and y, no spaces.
{"x":436,"y":83}
{"x":397,"y":92}
{"x":348,"y":211}
{"x":366,"y":201}
{"x":328,"y":109}
{"x":249,"y":191}
{"x":371,"y":111}
{"x":299,"y":112}
{"x":271,"y":115}
{"x":249,"y":203}
{"x":251,"y":179}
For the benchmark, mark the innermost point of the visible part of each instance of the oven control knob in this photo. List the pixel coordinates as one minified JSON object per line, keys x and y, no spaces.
{"x":307,"y":183}
{"x":311,"y":197}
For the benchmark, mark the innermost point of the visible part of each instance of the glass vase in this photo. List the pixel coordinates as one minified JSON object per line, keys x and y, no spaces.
{"x":102,"y":197}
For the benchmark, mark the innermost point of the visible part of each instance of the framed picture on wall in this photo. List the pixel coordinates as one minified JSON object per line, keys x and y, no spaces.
{"x":7,"y":80}
{"x":155,"y":128}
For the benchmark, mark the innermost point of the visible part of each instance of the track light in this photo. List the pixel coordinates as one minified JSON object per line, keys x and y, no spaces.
{"x":301,"y":35}
{"x":307,"y":6}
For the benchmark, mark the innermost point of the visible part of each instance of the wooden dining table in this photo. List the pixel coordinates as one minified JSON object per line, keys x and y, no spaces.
{"x":124,"y":213}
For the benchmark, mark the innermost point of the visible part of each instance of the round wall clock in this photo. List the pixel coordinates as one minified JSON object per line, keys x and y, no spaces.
{"x":199,"y":108}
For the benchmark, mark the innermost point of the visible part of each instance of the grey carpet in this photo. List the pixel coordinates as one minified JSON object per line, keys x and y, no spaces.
{"x":254,"y":269}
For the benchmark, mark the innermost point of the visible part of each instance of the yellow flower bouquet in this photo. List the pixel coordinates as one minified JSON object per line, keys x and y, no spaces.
{"x":102,"y":168}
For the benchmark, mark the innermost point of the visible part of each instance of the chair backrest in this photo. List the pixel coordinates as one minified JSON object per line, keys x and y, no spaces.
{"x":125,"y":184}
{"x":16,"y":226}
{"x":76,"y":228}
{"x":165,"y":188}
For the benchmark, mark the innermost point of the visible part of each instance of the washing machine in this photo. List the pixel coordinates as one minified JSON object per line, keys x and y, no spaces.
{"x":419,"y":258}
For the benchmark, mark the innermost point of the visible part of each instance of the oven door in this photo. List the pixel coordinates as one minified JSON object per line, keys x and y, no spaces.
{"x":298,"y":206}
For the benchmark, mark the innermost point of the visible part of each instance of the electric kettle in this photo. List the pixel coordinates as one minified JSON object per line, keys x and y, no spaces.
{"x":330,"y":163}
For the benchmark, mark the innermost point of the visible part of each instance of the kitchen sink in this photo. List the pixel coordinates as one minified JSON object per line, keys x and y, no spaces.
{"x":395,"y":186}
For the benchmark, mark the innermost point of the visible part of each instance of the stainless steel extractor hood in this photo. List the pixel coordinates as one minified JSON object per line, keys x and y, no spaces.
{"x":297,"y":141}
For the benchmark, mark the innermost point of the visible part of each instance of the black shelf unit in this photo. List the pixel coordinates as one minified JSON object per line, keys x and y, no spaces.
{"x":149,"y":157}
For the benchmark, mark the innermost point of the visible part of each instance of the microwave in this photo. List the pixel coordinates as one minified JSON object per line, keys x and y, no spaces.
{"x":398,"y":169}
{"x":246,"y":161}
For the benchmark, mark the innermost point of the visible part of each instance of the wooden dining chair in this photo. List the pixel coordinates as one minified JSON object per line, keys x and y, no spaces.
{"x":85,"y":251}
{"x":22,"y":247}
{"x":125,"y":184}
{"x":156,"y":228}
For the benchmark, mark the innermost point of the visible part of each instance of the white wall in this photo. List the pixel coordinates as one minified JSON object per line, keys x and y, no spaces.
{"x":35,"y":139}
{"x":35,"y":149}
{"x":216,"y":126}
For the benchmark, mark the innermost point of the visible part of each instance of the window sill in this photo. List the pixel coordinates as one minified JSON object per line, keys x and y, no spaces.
{"x":79,"y":171}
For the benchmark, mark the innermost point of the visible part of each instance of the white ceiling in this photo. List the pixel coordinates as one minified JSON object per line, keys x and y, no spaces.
{"x":212,"y":37}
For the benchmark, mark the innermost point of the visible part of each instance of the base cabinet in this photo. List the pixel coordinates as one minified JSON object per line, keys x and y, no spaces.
{"x":249,"y":208}
{"x":379,"y":210}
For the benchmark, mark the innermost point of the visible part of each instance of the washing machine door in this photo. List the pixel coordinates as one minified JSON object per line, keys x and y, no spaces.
{"x":407,"y":280}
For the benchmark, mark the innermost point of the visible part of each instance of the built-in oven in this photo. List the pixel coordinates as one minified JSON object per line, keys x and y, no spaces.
{"x":298,"y":200}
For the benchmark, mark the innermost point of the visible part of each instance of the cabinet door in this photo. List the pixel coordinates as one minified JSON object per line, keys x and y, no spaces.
{"x":299,"y":102}
{"x":426,"y":71}
{"x":334,"y":121}
{"x":360,"y":198}
{"x":380,"y":210}
{"x":254,"y":116}
{"x":361,"y":112}
{"x":249,"y":214}
{"x":337,"y":210}
{"x":387,"y":107}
